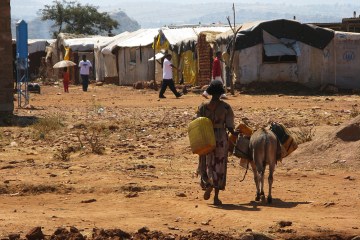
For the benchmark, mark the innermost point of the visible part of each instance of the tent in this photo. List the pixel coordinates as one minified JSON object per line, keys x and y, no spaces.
{"x":282,"y":50}
{"x":111,"y":74}
{"x":36,"y":51}
{"x":72,"y":47}
{"x":104,"y":62}
{"x":182,"y":42}
{"x":133,"y":52}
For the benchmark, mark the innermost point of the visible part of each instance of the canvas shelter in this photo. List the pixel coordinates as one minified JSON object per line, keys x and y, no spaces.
{"x":36,"y":51}
{"x":100,"y":62}
{"x":281,"y":50}
{"x":182,"y":43}
{"x":133,"y":52}
{"x":342,"y":61}
{"x":111,"y":73}
{"x":286,"y":50}
{"x":72,"y":47}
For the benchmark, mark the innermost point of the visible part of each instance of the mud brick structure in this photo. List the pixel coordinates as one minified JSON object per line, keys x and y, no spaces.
{"x":6,"y":66}
{"x":204,"y":60}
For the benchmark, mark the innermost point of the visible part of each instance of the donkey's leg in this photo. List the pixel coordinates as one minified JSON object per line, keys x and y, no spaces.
{"x":271,"y":179}
{"x":256,"y":180}
{"x":262,"y":179}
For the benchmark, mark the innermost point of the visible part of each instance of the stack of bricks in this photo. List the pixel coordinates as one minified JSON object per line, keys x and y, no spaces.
{"x":204,"y":60}
{"x":6,"y":67}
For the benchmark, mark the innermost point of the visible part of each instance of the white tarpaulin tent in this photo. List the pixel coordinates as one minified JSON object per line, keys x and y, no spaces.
{"x":38,"y":45}
{"x":177,"y":36}
{"x":133,"y":52}
{"x":105,"y":65}
{"x":84,"y":44}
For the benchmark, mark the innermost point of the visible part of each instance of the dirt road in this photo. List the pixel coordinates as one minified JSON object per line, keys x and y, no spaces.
{"x":51,"y":175}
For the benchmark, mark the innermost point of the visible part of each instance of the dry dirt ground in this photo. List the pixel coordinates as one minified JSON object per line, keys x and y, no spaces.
{"x":115,"y":157}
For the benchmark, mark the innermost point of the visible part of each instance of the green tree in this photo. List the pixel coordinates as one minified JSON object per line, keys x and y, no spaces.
{"x":72,"y":17}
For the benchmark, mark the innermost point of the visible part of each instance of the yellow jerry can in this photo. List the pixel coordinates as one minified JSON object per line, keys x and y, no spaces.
{"x":201,"y":136}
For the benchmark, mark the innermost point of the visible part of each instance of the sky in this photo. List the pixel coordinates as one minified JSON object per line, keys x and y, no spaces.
{"x":27,"y":9}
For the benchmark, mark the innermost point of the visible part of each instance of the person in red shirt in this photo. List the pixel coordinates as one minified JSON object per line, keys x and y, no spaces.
{"x":216,"y":73}
{"x":66,"y":80}
{"x":216,"y":68}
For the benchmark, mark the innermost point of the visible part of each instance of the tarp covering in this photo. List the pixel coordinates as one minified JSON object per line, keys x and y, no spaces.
{"x":38,"y":45}
{"x":183,"y":39}
{"x":111,"y":45}
{"x":84,"y":44}
{"x":252,"y":34}
{"x":280,"y":47}
{"x":101,"y":60}
{"x":141,"y":37}
{"x":158,"y":56}
{"x":189,"y":67}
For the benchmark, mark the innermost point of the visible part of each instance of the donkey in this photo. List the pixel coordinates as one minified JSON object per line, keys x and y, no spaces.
{"x":263,"y":149}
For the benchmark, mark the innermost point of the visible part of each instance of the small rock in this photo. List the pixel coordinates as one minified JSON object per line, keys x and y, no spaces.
{"x":247,"y":237}
{"x":14,"y":236}
{"x":89,"y":201}
{"x":35,"y":234}
{"x":74,"y":229}
{"x":132,"y":195}
{"x":173,"y":228}
{"x":206,"y":223}
{"x":13,"y":144}
{"x":144,"y":230}
{"x":181,"y":194}
{"x":350,"y":178}
{"x":284,"y":223}
{"x":328,"y":204}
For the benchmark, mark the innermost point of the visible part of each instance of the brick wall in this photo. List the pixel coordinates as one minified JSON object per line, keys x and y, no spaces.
{"x":204,"y":60}
{"x":6,"y":67}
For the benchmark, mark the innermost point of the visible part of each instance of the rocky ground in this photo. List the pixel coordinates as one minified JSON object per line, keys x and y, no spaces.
{"x":115,"y":161}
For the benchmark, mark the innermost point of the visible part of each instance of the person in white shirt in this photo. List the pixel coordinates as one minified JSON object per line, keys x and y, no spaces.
{"x":168,"y":77}
{"x":85,"y":68}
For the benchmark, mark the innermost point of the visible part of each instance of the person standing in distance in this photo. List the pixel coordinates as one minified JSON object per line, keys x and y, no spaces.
{"x":216,"y":73}
{"x":168,"y":77}
{"x":85,"y":68}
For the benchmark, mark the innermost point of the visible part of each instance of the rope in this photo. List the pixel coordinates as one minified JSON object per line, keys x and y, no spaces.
{"x":247,"y":168}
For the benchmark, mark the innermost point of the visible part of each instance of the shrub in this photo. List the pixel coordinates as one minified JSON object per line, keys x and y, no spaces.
{"x":46,"y":125}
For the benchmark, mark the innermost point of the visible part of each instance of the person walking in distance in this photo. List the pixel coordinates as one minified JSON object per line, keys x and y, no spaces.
{"x":216,"y":73}
{"x":168,"y":77}
{"x":66,"y":79}
{"x":85,"y":68}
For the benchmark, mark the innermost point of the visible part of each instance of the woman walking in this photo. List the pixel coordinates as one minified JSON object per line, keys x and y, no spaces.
{"x":212,"y":167}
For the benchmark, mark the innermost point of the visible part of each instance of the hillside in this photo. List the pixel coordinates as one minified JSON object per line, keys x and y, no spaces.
{"x":42,"y":29}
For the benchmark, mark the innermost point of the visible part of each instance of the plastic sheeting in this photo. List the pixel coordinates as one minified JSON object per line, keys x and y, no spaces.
{"x":113,"y":44}
{"x":84,"y":44}
{"x":182,"y":39}
{"x":280,"y":47}
{"x":188,"y":65}
{"x":251,"y":35}
{"x":38,"y":45}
